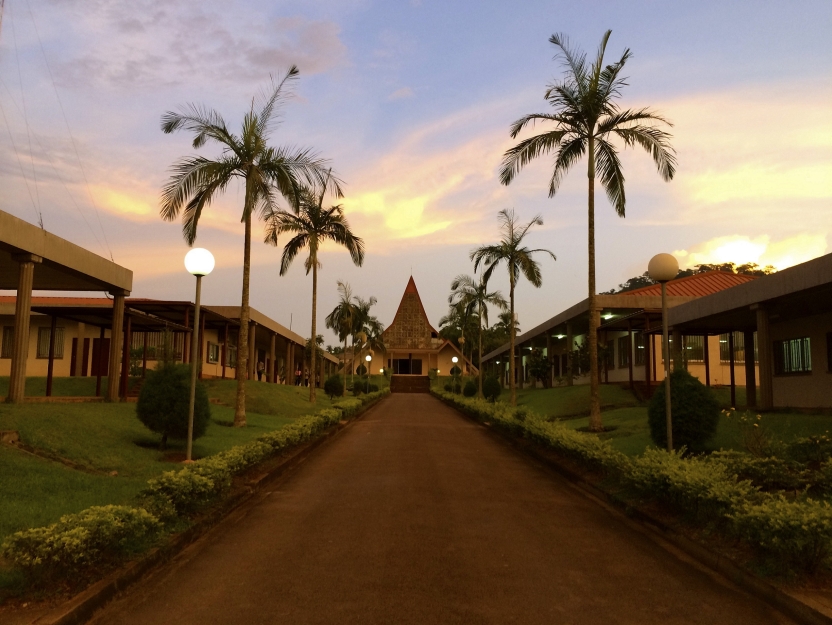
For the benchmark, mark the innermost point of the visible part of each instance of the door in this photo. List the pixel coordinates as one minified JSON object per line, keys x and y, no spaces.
{"x":100,"y":357}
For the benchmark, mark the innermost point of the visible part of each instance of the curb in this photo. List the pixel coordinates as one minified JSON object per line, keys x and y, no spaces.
{"x":791,"y":606}
{"x":80,"y":608}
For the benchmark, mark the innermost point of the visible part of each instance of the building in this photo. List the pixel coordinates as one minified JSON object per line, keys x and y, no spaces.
{"x":414,"y":347}
{"x":790,"y":314}
{"x":629,"y":339}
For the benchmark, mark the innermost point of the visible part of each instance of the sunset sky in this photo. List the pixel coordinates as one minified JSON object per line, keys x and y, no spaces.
{"x":412,"y":102}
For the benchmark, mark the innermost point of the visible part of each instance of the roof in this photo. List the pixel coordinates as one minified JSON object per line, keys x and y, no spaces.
{"x":63,"y":266}
{"x":411,"y":289}
{"x":697,"y":285}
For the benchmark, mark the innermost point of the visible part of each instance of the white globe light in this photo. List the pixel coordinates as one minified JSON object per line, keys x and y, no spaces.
{"x":454,"y":360}
{"x":368,"y":358}
{"x":663,"y":267}
{"x":199,"y":261}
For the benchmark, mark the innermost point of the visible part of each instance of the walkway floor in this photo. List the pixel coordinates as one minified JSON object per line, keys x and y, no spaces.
{"x":416,"y":515}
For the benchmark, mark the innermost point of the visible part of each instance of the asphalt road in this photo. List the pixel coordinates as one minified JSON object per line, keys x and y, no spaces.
{"x":416,"y":515}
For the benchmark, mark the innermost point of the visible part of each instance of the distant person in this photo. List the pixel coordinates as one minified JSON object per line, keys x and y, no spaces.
{"x":260,"y":369}
{"x":298,"y":378}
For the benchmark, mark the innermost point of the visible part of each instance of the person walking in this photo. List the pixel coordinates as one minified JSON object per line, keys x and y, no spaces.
{"x":298,"y":378}
{"x":261,"y":367}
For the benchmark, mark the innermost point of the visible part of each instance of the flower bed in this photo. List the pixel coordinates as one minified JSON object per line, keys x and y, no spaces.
{"x":796,"y":530}
{"x":80,"y":543}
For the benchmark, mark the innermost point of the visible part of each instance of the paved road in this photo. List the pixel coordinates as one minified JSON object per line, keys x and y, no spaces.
{"x":416,"y":515}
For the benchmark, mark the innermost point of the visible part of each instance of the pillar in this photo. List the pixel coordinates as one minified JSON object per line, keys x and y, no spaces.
{"x":731,"y":369}
{"x":224,"y":350}
{"x":676,"y":349}
{"x":550,"y":360}
{"x":706,"y":346}
{"x":750,"y":376}
{"x":79,"y":352}
{"x":270,"y":373}
{"x":22,"y":316}
{"x":115,"y":344}
{"x":252,"y":351}
{"x":186,"y":343}
{"x":764,"y":356}
{"x":100,"y":364}
{"x":50,"y":367}
{"x":201,"y":352}
{"x":125,"y":357}
{"x":630,"y":355}
{"x":287,"y":367}
{"x":647,"y":339}
{"x":570,"y":345}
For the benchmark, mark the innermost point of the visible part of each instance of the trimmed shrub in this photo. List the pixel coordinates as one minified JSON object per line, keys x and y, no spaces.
{"x":491,"y":388}
{"x":810,"y":449}
{"x":334,"y":386}
{"x":79,"y":543}
{"x":768,"y":473}
{"x":695,"y":413}
{"x":470,"y":388}
{"x":163,"y":403}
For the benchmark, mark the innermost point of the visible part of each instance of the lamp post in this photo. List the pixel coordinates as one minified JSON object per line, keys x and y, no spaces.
{"x":663,"y":268}
{"x":368,"y":358}
{"x":199,"y":262}
{"x":455,"y":370}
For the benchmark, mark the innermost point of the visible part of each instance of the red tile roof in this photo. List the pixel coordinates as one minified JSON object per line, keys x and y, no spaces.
{"x":697,"y":285}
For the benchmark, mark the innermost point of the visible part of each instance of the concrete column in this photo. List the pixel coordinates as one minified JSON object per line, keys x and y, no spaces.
{"x":186,"y":343}
{"x":750,"y":377}
{"x":79,"y":352}
{"x":225,"y":350}
{"x":570,"y":345}
{"x":630,"y":350}
{"x":252,"y":351}
{"x":115,"y":345}
{"x":22,"y":316}
{"x":549,"y":359}
{"x":50,"y":367}
{"x":201,"y":352}
{"x":676,"y":349}
{"x":706,"y":340}
{"x":125,"y":357}
{"x":764,"y":355}
{"x":287,"y":374}
{"x":731,"y":369}
{"x":270,"y":377}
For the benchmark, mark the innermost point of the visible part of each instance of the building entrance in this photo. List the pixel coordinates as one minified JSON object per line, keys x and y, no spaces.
{"x":407,"y":366}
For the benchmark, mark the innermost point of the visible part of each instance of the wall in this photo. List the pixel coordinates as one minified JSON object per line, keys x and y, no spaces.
{"x":812,"y":390}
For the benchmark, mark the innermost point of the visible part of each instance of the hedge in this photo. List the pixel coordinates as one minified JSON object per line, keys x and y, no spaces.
{"x":797,"y":531}
{"x":79,"y":543}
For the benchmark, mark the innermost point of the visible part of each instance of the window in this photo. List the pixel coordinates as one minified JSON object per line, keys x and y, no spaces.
{"x":793,"y":356}
{"x":739,"y":348}
{"x":8,"y":341}
{"x":213,"y":352}
{"x":694,"y":348}
{"x":640,"y":340}
{"x":623,"y":351}
{"x":43,"y":342}
{"x":232,"y":356}
{"x":158,"y":343}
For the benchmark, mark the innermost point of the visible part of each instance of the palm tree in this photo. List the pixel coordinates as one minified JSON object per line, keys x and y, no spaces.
{"x":364,"y":324}
{"x":340,"y":320}
{"x":586,"y":117}
{"x":310,"y":225}
{"x":518,"y":260}
{"x":265,"y":171}
{"x":474,"y":293}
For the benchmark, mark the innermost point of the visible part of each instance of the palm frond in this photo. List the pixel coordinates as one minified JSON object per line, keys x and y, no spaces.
{"x":267,"y":101}
{"x":608,"y":167}
{"x":568,"y":154}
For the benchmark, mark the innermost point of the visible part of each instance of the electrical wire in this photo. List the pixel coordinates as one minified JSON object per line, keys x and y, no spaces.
{"x":71,"y":136}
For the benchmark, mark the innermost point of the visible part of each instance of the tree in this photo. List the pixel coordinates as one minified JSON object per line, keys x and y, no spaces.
{"x":473,"y":293}
{"x":310,"y":225}
{"x":264,"y":171}
{"x":459,"y":320}
{"x":340,"y":320}
{"x":518,"y":260}
{"x":586,"y":117}
{"x":364,"y":325}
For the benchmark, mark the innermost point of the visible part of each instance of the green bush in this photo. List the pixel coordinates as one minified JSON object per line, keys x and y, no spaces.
{"x":695,"y":413}
{"x":470,"y":388}
{"x":491,"y":388}
{"x":163,"y":403}
{"x":799,"y":532}
{"x":768,"y":473}
{"x":334,"y":386}
{"x":810,"y":449}
{"x":79,"y":543}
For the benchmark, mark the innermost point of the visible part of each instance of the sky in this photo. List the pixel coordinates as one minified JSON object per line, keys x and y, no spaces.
{"x":411,"y":101}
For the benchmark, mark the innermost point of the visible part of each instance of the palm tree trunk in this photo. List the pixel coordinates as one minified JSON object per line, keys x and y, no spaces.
{"x":479,"y":358}
{"x":595,"y":424}
{"x":314,"y":339}
{"x":511,"y":383}
{"x":242,"y":347}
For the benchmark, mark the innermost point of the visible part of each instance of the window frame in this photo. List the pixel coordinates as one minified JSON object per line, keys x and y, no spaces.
{"x":212,"y":353}
{"x":7,"y":345}
{"x":44,"y":333}
{"x":786,"y":351}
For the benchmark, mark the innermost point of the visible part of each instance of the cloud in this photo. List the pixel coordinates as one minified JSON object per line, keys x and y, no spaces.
{"x":400,"y":94}
{"x":147,"y":44}
{"x":761,"y":250}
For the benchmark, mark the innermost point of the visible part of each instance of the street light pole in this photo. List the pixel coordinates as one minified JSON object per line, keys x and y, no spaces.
{"x":199,"y":262}
{"x":454,"y":371}
{"x":369,"y":359}
{"x":663,"y":268}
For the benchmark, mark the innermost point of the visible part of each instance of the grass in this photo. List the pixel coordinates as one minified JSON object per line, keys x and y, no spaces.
{"x":100,"y":438}
{"x":61,"y":387}
{"x":569,"y":401}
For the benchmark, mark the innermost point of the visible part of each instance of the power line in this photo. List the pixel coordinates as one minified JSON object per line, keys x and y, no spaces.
{"x":19,"y":162}
{"x":69,"y":130}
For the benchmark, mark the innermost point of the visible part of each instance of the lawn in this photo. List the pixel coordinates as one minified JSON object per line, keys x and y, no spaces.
{"x":569,"y":401}
{"x":101,"y":438}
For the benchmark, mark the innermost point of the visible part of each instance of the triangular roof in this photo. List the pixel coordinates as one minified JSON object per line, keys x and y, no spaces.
{"x":411,"y":289}
{"x":696,"y":285}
